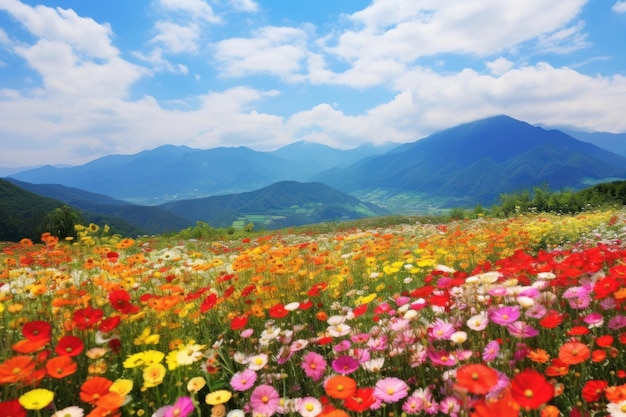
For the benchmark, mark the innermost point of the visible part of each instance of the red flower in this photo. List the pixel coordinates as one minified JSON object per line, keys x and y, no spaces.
{"x":360,"y":310}
{"x":278,"y":311}
{"x":593,"y":390}
{"x":208,"y":302}
{"x":69,"y":346}
{"x":87,"y":318}
{"x":120,"y":300}
{"x":578,"y":331}
{"x":573,"y":353}
{"x":604,"y":341}
{"x":530,"y":389}
{"x":361,"y":400}
{"x":12,"y":408}
{"x":109,"y":324}
{"x":37,"y":330}
{"x":605,"y":287}
{"x":551,"y":320}
{"x":239,"y":322}
{"x":503,"y":406}
{"x":476,"y":378}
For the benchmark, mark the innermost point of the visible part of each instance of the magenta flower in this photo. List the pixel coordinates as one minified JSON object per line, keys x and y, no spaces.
{"x":314,"y":365}
{"x":391,"y":389}
{"x":504,"y":315}
{"x":243,"y":380}
{"x":265,"y":400}
{"x":345,"y":365}
{"x":181,"y":408}
{"x":617,"y":322}
{"x":412,"y":405}
{"x":491,"y":351}
{"x":441,"y":357}
{"x":522,"y":330}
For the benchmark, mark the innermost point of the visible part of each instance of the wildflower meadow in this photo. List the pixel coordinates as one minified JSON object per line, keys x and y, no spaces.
{"x":522,"y":316}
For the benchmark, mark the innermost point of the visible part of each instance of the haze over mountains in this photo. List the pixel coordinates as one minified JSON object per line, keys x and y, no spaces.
{"x":470,"y":164}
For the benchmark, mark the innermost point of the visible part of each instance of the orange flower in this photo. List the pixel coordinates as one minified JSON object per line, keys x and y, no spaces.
{"x":557,"y":368}
{"x":94,"y":388}
{"x":340,"y":387}
{"x":615,"y":394}
{"x":17,"y":368}
{"x":476,"y":378}
{"x":573,"y":353}
{"x":61,"y":366}
{"x":110,"y":401}
{"x":538,"y":356}
{"x":598,"y":355}
{"x":321,"y":316}
{"x":29,"y":346}
{"x":550,"y":411}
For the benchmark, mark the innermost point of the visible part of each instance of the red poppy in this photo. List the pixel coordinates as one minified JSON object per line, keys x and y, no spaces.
{"x":573,"y":353}
{"x":476,"y":378}
{"x":239,"y":322}
{"x":361,"y":400}
{"x":278,"y":311}
{"x":37,"y":330}
{"x":360,"y":310}
{"x":593,"y":390}
{"x":87,"y":318}
{"x":109,"y":324}
{"x":69,"y":346}
{"x":12,"y":408}
{"x":208,"y":303}
{"x":60,"y":367}
{"x":530,"y":389}
{"x":16,"y":369}
{"x":598,"y":355}
{"x":551,"y":320}
{"x":305,"y":305}
{"x":120,"y":300}
{"x":578,"y":331}
{"x":604,"y":341}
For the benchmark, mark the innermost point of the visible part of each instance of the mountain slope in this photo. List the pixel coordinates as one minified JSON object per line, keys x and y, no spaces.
{"x":23,"y":214}
{"x":282,"y":204}
{"x":149,"y":219}
{"x":475,"y":162}
{"x":178,"y":172}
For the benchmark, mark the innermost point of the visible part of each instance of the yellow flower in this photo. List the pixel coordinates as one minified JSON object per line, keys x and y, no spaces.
{"x":153,"y":356}
{"x":195,"y":384}
{"x":367,"y":299}
{"x":36,"y":399}
{"x":122,"y":386}
{"x":153,"y":375}
{"x":146,"y":338}
{"x":218,"y":397}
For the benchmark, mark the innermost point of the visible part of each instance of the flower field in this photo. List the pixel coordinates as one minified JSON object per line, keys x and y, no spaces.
{"x":487,"y":317}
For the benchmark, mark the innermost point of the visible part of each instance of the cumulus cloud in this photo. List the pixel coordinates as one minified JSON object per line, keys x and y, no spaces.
{"x":278,"y":51}
{"x":499,"y":66}
{"x":195,"y":9}
{"x":177,"y":38}
{"x":249,"y":6}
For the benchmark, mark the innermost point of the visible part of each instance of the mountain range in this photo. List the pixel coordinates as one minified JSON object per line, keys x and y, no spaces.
{"x":466,"y":165}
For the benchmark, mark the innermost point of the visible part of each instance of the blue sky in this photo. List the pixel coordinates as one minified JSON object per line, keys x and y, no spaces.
{"x":82,"y":79}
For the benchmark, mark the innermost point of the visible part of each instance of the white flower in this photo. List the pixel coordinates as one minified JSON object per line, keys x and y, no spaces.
{"x":617,"y":409}
{"x":546,"y":275}
{"x":292,"y":306}
{"x":525,"y":302}
{"x":373,"y":365}
{"x":478,"y":322}
{"x":72,"y":411}
{"x":257,"y":362}
{"x":335,"y":320}
{"x":458,"y":337}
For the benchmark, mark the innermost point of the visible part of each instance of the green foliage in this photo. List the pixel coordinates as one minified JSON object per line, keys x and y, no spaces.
{"x":541,"y":199}
{"x":61,"y":221}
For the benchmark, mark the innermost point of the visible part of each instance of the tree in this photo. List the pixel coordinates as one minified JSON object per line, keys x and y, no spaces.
{"x":61,"y":221}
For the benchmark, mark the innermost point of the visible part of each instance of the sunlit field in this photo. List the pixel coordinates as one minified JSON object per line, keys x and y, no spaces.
{"x":486,"y":317}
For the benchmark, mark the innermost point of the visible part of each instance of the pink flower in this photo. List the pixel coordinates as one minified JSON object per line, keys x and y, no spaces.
{"x":181,"y":408}
{"x":412,"y":405}
{"x":265,"y":400}
{"x":491,"y":351}
{"x":522,"y":330}
{"x":345,"y":365}
{"x":243,"y":380}
{"x":391,"y":389}
{"x":442,"y":330}
{"x":314,"y":365}
{"x":504,"y":315}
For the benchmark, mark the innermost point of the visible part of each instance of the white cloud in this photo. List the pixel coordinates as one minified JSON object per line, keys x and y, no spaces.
{"x":197,"y":9}
{"x":61,"y":25}
{"x":619,"y":7}
{"x":499,"y":66}
{"x":273,"y":50}
{"x":565,"y":40}
{"x":177,"y":38}
{"x":249,"y":6}
{"x":159,"y":63}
